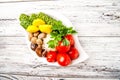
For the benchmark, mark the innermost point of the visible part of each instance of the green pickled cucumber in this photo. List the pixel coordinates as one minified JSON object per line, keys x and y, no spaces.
{"x":26,"y":20}
{"x":48,"y":20}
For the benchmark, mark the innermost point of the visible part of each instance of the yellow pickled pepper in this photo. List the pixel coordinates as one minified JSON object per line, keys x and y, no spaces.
{"x":38,"y":22}
{"x":45,"y":28}
{"x":32,"y":28}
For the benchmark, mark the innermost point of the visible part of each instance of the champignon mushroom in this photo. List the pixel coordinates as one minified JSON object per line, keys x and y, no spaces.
{"x":33,"y":40}
{"x":38,"y":51}
{"x":39,"y":41}
{"x":44,"y":52}
{"x":33,"y":46}
{"x":41,"y":35}
{"x":30,"y":35}
{"x":40,"y":46}
{"x":36,"y":34}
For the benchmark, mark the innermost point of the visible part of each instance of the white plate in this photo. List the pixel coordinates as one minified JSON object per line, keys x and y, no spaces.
{"x":83,"y":56}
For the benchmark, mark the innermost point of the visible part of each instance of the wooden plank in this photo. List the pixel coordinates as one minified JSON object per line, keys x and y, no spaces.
{"x":90,"y":18}
{"x":19,"y":77}
{"x":103,"y":61}
{"x":64,"y":72}
{"x":12,"y":28}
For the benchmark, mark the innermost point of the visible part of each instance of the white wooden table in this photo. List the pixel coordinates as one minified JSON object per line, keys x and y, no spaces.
{"x":98,"y":26}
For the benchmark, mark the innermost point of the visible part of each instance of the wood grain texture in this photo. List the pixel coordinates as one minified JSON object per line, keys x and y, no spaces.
{"x":19,"y":77}
{"x":103,"y":62}
{"x":100,"y":17}
{"x":98,"y":26}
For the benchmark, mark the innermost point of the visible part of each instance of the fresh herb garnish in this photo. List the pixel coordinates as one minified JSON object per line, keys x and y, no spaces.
{"x":52,"y":43}
{"x":58,"y":33}
{"x":66,"y":42}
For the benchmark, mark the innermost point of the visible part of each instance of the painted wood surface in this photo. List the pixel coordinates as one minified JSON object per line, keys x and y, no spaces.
{"x":98,"y":26}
